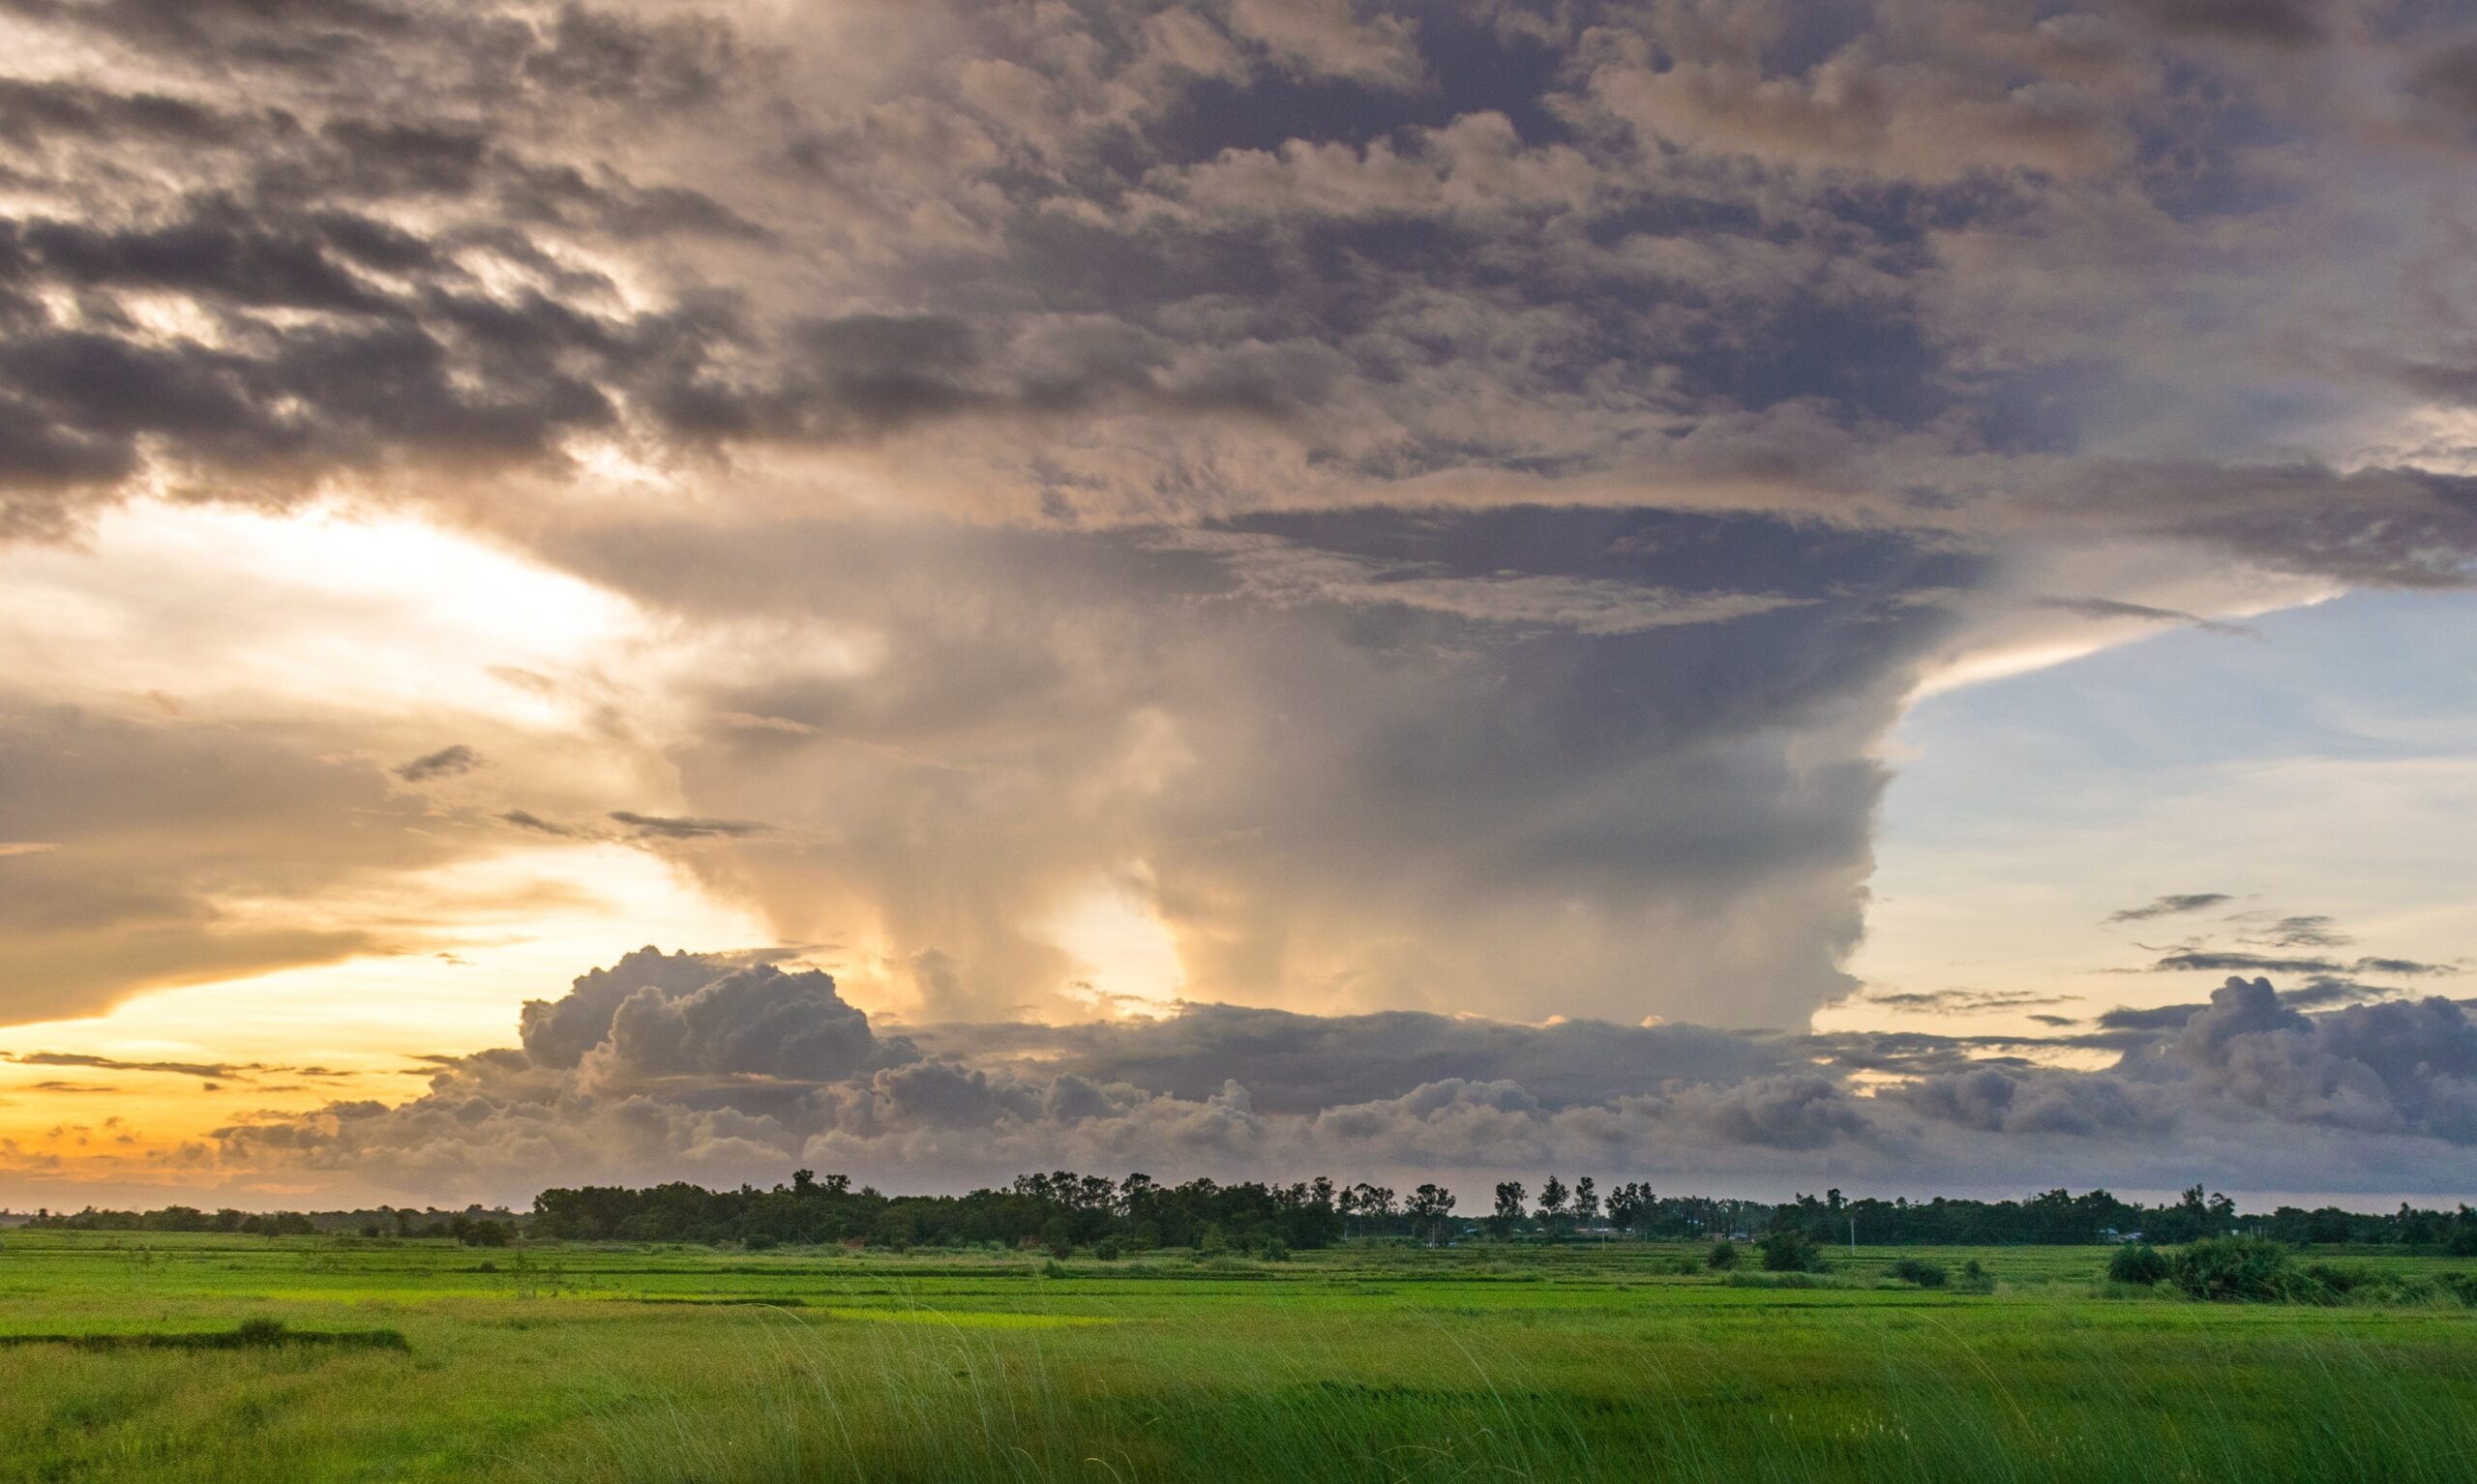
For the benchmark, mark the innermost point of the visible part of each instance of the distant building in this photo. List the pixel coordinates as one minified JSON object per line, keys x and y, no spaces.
{"x":2113,"y":1238}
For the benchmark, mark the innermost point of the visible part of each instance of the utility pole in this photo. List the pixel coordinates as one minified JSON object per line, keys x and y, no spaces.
{"x":1853,"y":1236}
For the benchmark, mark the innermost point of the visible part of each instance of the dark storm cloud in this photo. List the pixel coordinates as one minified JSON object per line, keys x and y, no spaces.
{"x":1296,"y":1063}
{"x":1437,"y":504}
{"x":2172,"y":906}
{"x":1537,"y":716}
{"x":1127,"y":259}
{"x":643,"y":1073}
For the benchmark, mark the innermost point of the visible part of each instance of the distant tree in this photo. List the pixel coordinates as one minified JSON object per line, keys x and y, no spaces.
{"x":1586,"y":1202}
{"x":1506,"y":1218}
{"x":1625,"y":1204}
{"x":483,"y":1233}
{"x":1552,"y":1205}
{"x":1429,"y":1207}
{"x":1917,"y":1270}
{"x":1724,"y":1255}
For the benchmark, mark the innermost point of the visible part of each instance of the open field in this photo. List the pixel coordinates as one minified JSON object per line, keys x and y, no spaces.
{"x":658,"y":1363}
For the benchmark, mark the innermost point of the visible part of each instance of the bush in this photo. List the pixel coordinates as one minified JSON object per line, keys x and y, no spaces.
{"x":1276,"y":1250}
{"x":1917,"y":1270}
{"x":2236,"y":1269}
{"x":2137,"y":1263}
{"x":1107,"y":1249}
{"x":1975,"y":1278}
{"x":1724,"y":1255}
{"x":1052,"y":1268}
{"x":1791,"y":1252}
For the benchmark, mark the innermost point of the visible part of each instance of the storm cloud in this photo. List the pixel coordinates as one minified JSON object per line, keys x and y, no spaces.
{"x":1401,"y":511}
{"x":757,"y":1067}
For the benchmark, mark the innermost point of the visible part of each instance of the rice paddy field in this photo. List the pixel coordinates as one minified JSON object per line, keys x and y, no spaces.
{"x":312,"y":1358}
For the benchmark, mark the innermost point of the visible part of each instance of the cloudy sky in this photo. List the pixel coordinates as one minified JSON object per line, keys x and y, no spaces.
{"x":1757,"y":595}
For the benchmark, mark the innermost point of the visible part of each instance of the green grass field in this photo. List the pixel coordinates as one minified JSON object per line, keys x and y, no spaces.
{"x":119,"y":1361}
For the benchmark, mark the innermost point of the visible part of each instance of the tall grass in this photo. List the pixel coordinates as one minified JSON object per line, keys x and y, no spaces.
{"x":1907,"y":1403}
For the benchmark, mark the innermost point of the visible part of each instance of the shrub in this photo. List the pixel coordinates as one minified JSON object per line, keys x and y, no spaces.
{"x":2137,"y":1263}
{"x":1791,"y":1252}
{"x":1276,"y":1250}
{"x":1778,"y":1281}
{"x":2236,"y":1268}
{"x":1724,"y":1255}
{"x":1975,"y":1278}
{"x":1107,"y":1249}
{"x":1917,"y":1270}
{"x":1052,"y":1268}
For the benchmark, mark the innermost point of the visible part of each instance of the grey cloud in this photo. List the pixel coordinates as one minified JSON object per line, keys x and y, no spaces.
{"x":2213,"y":961}
{"x":1294,"y":1063}
{"x":525,"y":821}
{"x":2308,"y":932}
{"x":2172,"y":906}
{"x":1325,"y":37}
{"x":671,"y":827}
{"x":1446,"y":770}
{"x":446,"y":763}
{"x":1965,"y":1002}
{"x":2280,"y":23}
{"x":2024,"y":1101}
{"x":116,"y":1064}
{"x":1213,"y":258}
{"x":754,"y":1067}
{"x":2111,"y":607}
{"x":2399,"y":1066}
{"x":164,"y":829}
{"x":755,"y":1021}
{"x":2448,"y":75}
{"x":560,"y":1032}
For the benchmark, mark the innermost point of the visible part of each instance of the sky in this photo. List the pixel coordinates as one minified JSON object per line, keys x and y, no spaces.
{"x":1755,"y":595}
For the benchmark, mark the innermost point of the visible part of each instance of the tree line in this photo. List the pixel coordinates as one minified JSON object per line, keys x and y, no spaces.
{"x":1065,"y":1211}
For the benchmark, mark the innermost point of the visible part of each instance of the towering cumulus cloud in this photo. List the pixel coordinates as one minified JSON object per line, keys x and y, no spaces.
{"x":1387,"y":506}
{"x":728,"y":1072}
